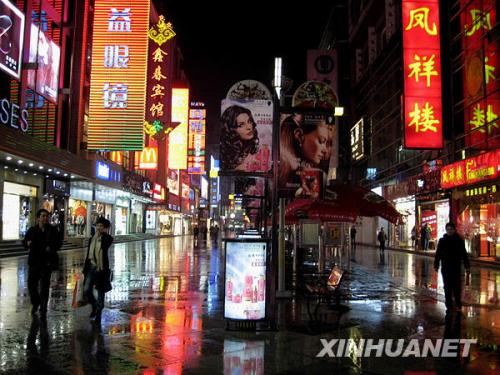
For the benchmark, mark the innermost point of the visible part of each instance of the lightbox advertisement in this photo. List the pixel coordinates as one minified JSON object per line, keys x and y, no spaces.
{"x":245,"y":289}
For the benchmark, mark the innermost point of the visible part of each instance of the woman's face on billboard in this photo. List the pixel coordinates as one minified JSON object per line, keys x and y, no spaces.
{"x":244,"y":127}
{"x":314,"y":144}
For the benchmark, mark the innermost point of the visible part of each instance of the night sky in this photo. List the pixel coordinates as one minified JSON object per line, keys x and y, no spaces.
{"x":224,"y":42}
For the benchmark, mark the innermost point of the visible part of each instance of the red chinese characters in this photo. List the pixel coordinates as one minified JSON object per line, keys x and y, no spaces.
{"x":422,"y":72}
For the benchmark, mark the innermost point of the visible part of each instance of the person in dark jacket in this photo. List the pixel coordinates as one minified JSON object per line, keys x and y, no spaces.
{"x":96,"y":268}
{"x":43,"y":241}
{"x":450,"y":254}
{"x":382,"y":237}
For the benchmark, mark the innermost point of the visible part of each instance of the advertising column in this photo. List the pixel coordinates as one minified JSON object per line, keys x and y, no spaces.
{"x":245,"y":280}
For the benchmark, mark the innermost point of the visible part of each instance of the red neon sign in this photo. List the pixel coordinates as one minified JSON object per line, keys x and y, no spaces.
{"x":422,"y":69}
{"x":470,"y":171}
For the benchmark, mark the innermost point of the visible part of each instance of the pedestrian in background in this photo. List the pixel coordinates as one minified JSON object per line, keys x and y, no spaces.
{"x":353,"y":236}
{"x":96,"y":268}
{"x":43,"y":242}
{"x":414,"y":237}
{"x":424,"y":237}
{"x":382,"y":237}
{"x":450,"y":254}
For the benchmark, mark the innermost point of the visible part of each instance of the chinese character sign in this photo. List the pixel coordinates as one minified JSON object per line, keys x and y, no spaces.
{"x":422,"y":75}
{"x":157,"y":122}
{"x":480,"y":74}
{"x":469,"y":171}
{"x":196,"y":149}
{"x":118,"y":78}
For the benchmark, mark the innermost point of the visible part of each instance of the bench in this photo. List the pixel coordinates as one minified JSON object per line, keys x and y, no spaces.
{"x":324,"y":291}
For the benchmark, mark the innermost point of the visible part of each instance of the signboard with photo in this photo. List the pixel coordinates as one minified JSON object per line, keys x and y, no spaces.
{"x":307,"y":142}
{"x":173,"y":181}
{"x":245,"y":280}
{"x":46,"y":54}
{"x":246,"y":135}
{"x":11,"y":38}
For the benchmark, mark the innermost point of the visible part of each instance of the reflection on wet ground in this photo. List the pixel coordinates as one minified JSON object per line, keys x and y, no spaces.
{"x":164,"y":315}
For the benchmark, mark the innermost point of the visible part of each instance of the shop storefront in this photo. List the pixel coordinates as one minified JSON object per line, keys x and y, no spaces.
{"x":19,"y":209}
{"x":121,"y":215}
{"x":55,"y":201}
{"x":474,"y":183}
{"x":136,"y":218}
{"x":434,"y":213}
{"x":78,"y":217}
{"x":406,"y":207}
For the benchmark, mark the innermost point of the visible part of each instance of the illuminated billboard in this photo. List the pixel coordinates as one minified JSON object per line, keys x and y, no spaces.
{"x":11,"y":37}
{"x":196,"y":149}
{"x":178,"y":138}
{"x":147,"y":158}
{"x":118,"y":80}
{"x":46,"y":54}
{"x":423,"y":123}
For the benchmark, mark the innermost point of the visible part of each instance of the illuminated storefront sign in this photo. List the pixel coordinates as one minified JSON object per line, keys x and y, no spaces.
{"x":422,"y":75}
{"x":480,"y":74}
{"x":118,"y":81}
{"x":357,"y":141}
{"x":11,"y":38}
{"x":159,"y":193}
{"x":157,"y":115}
{"x":196,"y":149}
{"x":482,"y":190}
{"x":12,"y":116}
{"x":469,"y":171}
{"x":178,"y":142}
{"x":104,"y":171}
{"x":147,"y":158}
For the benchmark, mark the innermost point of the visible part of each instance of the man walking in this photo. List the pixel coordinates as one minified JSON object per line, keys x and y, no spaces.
{"x":353,"y":237}
{"x":382,"y":237}
{"x":450,"y":254}
{"x":424,"y":237}
{"x":43,"y":241}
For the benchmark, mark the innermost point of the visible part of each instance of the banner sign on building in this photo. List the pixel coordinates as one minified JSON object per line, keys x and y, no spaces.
{"x":480,"y":74}
{"x":118,"y":81}
{"x":178,"y":142}
{"x":246,"y":135}
{"x":157,"y":123}
{"x":357,"y":141}
{"x":470,"y":171}
{"x":11,"y":38}
{"x":423,"y":123}
{"x":196,"y":149}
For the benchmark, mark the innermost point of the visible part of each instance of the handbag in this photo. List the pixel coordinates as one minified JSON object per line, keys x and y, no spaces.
{"x":79,"y":292}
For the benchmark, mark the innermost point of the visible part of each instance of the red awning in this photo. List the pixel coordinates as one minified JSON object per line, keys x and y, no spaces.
{"x":342,"y":203}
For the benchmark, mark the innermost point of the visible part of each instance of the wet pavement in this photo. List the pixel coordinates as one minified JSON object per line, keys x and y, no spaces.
{"x":164,"y":316}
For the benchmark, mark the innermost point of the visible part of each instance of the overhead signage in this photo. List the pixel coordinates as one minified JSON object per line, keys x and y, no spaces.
{"x":481,"y":64}
{"x":178,"y":138}
{"x":470,"y":171}
{"x":118,"y":80}
{"x":423,"y":123}
{"x":11,"y":38}
{"x":159,"y":193}
{"x":157,"y":122}
{"x":196,"y":149}
{"x":357,"y":141}
{"x":482,"y":190}
{"x":245,"y":289}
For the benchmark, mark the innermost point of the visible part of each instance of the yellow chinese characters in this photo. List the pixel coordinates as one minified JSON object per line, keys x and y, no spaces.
{"x":424,"y":66}
{"x":479,"y":20}
{"x":158,"y":75}
{"x":489,"y":71}
{"x":420,"y":18}
{"x":158,"y":55}
{"x":482,"y":121}
{"x":156,"y":109}
{"x":158,"y":91}
{"x":423,"y":119}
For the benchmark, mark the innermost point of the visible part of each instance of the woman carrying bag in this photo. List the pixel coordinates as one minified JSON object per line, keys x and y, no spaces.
{"x":96,"y":268}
